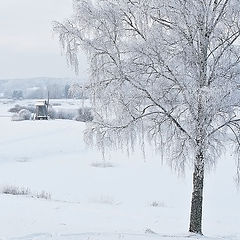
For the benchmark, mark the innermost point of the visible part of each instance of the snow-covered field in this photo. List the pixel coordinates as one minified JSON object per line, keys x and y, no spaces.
{"x":130,"y":198}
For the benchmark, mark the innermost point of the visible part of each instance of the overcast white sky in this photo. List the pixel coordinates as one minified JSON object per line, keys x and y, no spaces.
{"x":27,"y":46}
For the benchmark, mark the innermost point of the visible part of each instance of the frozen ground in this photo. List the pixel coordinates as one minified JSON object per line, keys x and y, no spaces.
{"x":129,"y":200}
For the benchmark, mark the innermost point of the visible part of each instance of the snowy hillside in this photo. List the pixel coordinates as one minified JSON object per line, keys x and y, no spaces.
{"x":88,"y":199}
{"x":10,"y":84}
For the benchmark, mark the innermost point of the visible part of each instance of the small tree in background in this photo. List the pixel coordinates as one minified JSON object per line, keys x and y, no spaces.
{"x":66,"y":89}
{"x":166,"y":70}
{"x":17,"y":94}
{"x":76,"y":91}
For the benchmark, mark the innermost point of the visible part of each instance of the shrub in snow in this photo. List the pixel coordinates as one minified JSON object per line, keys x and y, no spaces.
{"x":25,"y":114}
{"x":22,"y":115}
{"x":66,"y":114}
{"x":157,"y":204}
{"x":149,"y":231}
{"x":8,"y":102}
{"x":52,"y":113}
{"x":56,"y":104}
{"x":16,"y":117}
{"x":102,"y":164}
{"x":44,"y":195}
{"x":84,"y":115}
{"x":17,"y":108}
{"x":71,"y":103}
{"x":15,"y":190}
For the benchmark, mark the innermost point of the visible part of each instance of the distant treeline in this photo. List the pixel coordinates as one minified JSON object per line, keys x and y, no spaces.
{"x":41,"y":89}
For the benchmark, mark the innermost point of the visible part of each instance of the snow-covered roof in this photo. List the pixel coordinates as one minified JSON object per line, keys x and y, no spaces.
{"x":40,"y":103}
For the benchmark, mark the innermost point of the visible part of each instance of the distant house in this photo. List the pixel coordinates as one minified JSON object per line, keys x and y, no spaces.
{"x":41,"y":112}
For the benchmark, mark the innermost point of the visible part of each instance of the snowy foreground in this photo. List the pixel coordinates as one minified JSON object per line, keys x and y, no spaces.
{"x":121,"y":198}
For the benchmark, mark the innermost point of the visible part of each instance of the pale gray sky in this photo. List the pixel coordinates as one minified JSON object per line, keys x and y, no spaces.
{"x":27,"y":46}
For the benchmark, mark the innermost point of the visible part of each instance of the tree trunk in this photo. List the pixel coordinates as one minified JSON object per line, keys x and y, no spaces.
{"x":197,"y":195}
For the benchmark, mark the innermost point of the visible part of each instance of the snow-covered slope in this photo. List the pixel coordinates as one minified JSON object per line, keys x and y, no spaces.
{"x":130,"y":198}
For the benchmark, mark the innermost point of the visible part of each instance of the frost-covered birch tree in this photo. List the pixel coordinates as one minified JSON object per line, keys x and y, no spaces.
{"x":164,"y":71}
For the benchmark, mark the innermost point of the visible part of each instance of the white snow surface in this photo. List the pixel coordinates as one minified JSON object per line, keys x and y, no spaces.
{"x":91,"y":202}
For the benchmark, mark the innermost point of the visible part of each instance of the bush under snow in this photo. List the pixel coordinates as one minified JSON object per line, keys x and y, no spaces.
{"x":23,"y":114}
{"x":13,"y":190}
